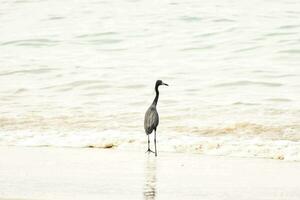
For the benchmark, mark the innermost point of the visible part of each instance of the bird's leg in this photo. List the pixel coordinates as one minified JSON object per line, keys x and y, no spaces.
{"x":149,"y":150}
{"x":155,"y":142}
{"x":148,"y":143}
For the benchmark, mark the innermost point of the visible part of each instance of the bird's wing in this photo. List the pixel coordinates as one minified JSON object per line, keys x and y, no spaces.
{"x":151,"y":120}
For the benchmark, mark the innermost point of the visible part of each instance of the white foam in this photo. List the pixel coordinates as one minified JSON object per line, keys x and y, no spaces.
{"x":224,"y":145}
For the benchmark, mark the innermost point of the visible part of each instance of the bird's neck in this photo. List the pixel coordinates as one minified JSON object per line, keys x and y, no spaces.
{"x":156,"y":97}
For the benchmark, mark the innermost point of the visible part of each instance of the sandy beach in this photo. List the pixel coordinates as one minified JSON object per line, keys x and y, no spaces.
{"x":71,"y":173}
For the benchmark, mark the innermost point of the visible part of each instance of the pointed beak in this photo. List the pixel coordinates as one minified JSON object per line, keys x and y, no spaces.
{"x":165,"y":84}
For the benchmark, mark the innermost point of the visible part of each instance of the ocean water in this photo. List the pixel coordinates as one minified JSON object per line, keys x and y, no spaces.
{"x":82,"y":74}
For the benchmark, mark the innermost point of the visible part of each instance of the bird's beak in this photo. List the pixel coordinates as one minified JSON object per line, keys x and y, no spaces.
{"x":165,"y":84}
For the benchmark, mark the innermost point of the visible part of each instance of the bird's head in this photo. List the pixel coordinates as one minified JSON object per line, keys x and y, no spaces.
{"x":160,"y":82}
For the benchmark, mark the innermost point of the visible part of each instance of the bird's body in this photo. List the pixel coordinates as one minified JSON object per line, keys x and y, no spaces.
{"x":151,"y":117}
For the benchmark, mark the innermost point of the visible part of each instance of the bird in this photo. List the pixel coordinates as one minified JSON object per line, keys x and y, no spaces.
{"x":151,"y":117}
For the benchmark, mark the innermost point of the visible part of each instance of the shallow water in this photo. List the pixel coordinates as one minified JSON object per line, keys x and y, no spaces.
{"x":59,"y":173}
{"x":82,"y":74}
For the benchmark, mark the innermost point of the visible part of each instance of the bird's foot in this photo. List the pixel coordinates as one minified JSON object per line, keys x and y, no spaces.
{"x":149,"y":151}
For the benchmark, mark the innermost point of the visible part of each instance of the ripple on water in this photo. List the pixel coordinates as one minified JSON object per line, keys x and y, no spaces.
{"x":21,"y":90}
{"x":281,"y":76}
{"x":74,"y":84}
{"x":276,"y":34}
{"x":54,"y":18}
{"x":32,"y":42}
{"x":95,"y":35}
{"x":206,"y":34}
{"x":190,"y":18}
{"x":29,"y":71}
{"x":198,"y":48}
{"x":290,"y":51}
{"x":102,"y":38}
{"x":105,"y":41}
{"x":222,"y":20}
{"x":133,"y":86}
{"x":23,"y":1}
{"x":240,"y":103}
{"x":289,"y":26}
{"x":246,"y":83}
{"x":279,"y":100}
{"x":248,"y":49}
{"x":214,"y":33}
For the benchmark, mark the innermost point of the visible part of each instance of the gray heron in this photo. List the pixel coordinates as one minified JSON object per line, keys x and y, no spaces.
{"x":151,"y":117}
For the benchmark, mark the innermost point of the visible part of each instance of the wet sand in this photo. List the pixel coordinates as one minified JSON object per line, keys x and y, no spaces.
{"x":66,"y":173}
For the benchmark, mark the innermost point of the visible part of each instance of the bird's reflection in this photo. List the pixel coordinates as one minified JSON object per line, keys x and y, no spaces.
{"x":150,"y":178}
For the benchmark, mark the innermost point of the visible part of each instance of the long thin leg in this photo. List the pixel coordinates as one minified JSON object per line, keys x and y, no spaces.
{"x":155,"y":142}
{"x":148,"y":143}
{"x":149,"y":150}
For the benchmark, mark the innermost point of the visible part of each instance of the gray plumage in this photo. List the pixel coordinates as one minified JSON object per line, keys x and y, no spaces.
{"x":151,"y":117}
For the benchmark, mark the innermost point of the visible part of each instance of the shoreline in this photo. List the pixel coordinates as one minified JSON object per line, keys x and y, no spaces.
{"x":90,"y":173}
